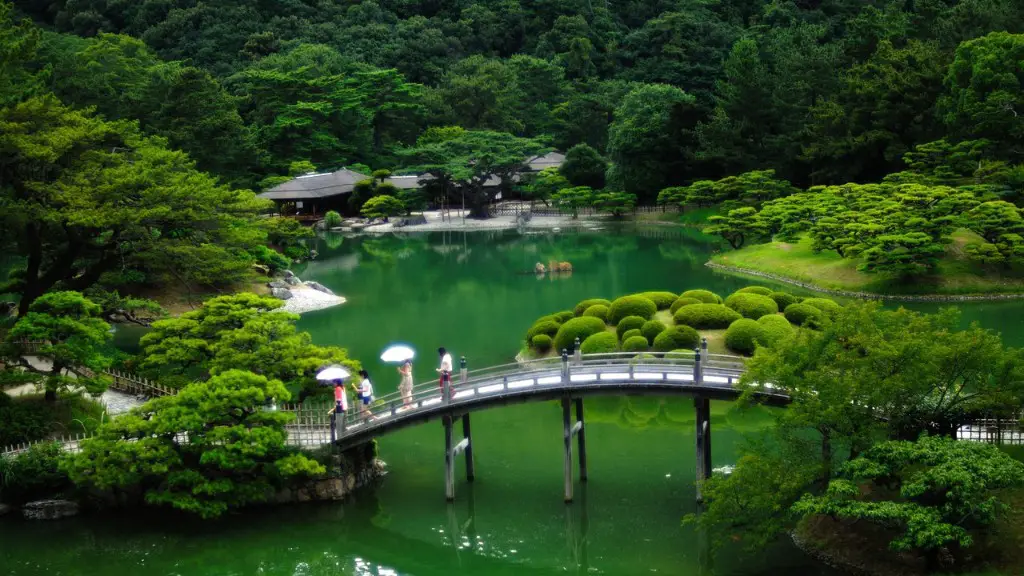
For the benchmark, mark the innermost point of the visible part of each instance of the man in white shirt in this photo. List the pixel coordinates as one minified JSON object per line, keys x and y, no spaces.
{"x":446,"y":367}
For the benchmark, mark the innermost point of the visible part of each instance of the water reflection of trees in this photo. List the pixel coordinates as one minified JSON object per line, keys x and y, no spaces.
{"x":642,"y":412}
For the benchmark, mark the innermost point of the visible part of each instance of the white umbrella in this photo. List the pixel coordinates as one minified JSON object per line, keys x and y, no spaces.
{"x":333,"y":373}
{"x":398,"y":354}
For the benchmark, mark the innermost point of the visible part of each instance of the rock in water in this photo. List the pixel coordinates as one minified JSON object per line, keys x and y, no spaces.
{"x":288,"y":273}
{"x":281,"y":293}
{"x":292,"y":280}
{"x":277,"y":284}
{"x":4,"y":509}
{"x":49,"y":509}
{"x":320,"y":287}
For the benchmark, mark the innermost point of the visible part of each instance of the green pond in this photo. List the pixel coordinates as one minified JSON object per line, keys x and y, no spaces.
{"x":474,"y":294}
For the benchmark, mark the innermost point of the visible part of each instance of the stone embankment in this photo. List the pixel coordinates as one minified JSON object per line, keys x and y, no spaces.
{"x":867,"y":295}
{"x":302,"y":296}
{"x":334,"y":488}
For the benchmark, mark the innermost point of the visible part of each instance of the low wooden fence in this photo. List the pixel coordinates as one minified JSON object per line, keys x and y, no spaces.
{"x":69,"y":443}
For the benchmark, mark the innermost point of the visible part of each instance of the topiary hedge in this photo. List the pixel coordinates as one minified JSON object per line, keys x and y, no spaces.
{"x":705,"y":296}
{"x":600,"y":343}
{"x":663,"y":300}
{"x":631,"y":333}
{"x":580,"y":308}
{"x":650,"y":329}
{"x":581,"y":328}
{"x":629,"y":323}
{"x":635,"y":344}
{"x":564,"y":316}
{"x":776,"y":328}
{"x":744,"y":335}
{"x":761,"y":290}
{"x":706,"y":316}
{"x":752,"y":306}
{"x":541,"y":343}
{"x":783,"y":299}
{"x":676,"y":337}
{"x":597,"y":311}
{"x":631,"y":306}
{"x":681,"y":301}
{"x":826,"y":305}
{"x":549,"y":327}
{"x":805,"y":315}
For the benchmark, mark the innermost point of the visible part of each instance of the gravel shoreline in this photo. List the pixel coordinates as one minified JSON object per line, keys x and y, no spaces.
{"x":306,"y":299}
{"x":456,"y":222}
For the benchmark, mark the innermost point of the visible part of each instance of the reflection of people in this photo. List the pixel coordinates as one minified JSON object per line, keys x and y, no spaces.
{"x":405,"y":384}
{"x":446,"y":367}
{"x":365,"y":392}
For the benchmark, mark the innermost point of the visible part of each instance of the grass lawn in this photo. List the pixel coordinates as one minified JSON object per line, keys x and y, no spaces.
{"x":956,"y":274}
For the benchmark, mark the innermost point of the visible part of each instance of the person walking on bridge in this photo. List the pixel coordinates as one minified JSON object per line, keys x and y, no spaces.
{"x":365,"y":392}
{"x":405,"y":384}
{"x":446,"y":367}
{"x":340,"y":399}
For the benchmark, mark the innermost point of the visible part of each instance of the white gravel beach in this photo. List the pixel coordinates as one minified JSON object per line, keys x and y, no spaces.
{"x":306,"y":299}
{"x":435,"y":222}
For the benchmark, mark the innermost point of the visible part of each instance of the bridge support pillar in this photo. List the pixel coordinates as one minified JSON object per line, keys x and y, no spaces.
{"x":703,"y":408}
{"x":581,"y":440}
{"x":567,"y":444}
{"x":449,"y":460}
{"x":470,"y":466}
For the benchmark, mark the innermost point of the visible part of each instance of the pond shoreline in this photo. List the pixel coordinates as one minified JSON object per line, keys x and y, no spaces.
{"x":866,"y":295}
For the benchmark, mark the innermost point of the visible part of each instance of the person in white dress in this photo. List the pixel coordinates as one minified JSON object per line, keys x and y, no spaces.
{"x":405,"y":384}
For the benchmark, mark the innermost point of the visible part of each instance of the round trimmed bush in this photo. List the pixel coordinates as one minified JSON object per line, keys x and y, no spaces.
{"x":597,"y":311}
{"x":631,"y":306}
{"x":744,"y":335}
{"x":679,"y":354}
{"x":600,"y":343}
{"x":706,"y":316}
{"x":783,"y":299}
{"x":663,"y":300}
{"x":752,"y":306}
{"x":583,"y":327}
{"x":676,"y":337}
{"x":680,"y":302}
{"x":705,"y":296}
{"x":580,"y":308}
{"x":631,"y":333}
{"x":549,"y":327}
{"x":628,"y":323}
{"x":826,"y":305}
{"x":755,"y":290}
{"x":650,"y":329}
{"x":635,"y":344}
{"x":564,"y":316}
{"x":541,"y":343}
{"x":776,"y":329}
{"x":805,"y":315}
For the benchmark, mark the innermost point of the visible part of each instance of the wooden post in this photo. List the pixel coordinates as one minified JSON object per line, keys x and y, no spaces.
{"x":470,"y":467}
{"x":581,"y":440}
{"x":567,"y":444}
{"x":449,"y":457}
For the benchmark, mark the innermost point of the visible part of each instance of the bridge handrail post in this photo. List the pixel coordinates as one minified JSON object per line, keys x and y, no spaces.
{"x":577,"y":355}
{"x":704,"y":347}
{"x":463,"y":372}
{"x":698,"y":369}
{"x":565,"y":367}
{"x":334,"y":427}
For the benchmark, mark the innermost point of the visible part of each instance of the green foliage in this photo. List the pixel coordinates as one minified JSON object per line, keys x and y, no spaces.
{"x":332,"y":219}
{"x":234,"y":456}
{"x":630,"y":306}
{"x":597,"y":311}
{"x":826,"y":305}
{"x":737,"y":226}
{"x":383,"y":206}
{"x":580,"y":308}
{"x":581,"y":328}
{"x":584,"y":166}
{"x":663,"y":300}
{"x":570,"y":200}
{"x":806,"y":315}
{"x":632,"y":333}
{"x":705,"y":316}
{"x":541,"y":343}
{"x":755,"y":290}
{"x":33,"y":475}
{"x":651,"y":329}
{"x":676,"y":337}
{"x":629,"y":323}
{"x":682,"y":301}
{"x":600,"y":343}
{"x":744,"y":335}
{"x":548,"y":327}
{"x":784,"y":299}
{"x":565,"y":315}
{"x":614,"y":203}
{"x":635,"y":344}
{"x":1001,"y":225}
{"x":29,"y":418}
{"x":776,"y":328}
{"x":546,"y":184}
{"x":704,"y":296}
{"x":751,"y":305}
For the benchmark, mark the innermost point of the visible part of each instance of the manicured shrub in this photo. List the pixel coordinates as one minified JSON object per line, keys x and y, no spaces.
{"x":752,"y":306}
{"x":600,"y":343}
{"x":706,"y":316}
{"x":826,"y":305}
{"x":629,"y":323}
{"x":631,"y":333}
{"x":597,"y":311}
{"x":776,"y":329}
{"x":549,"y":327}
{"x":679,"y":354}
{"x":783,"y":299}
{"x":332,"y":219}
{"x":564,"y":316}
{"x":744,"y":335}
{"x":705,"y":296}
{"x":650,"y":329}
{"x":755,"y":290}
{"x":663,"y":300}
{"x":580,"y":328}
{"x":805,"y":315}
{"x":580,"y":308}
{"x":631,"y":306}
{"x":635,"y":344}
{"x":681,"y":301}
{"x":676,"y":337}
{"x":541,"y":343}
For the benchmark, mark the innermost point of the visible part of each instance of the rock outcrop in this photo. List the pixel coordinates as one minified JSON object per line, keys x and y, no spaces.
{"x":49,"y":509}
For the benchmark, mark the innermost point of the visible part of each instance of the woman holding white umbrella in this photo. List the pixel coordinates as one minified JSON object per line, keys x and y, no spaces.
{"x":402,"y":354}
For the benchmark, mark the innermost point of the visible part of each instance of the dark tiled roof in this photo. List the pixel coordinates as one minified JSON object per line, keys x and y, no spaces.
{"x":314,"y":186}
{"x":549,"y":160}
{"x":410,"y":182}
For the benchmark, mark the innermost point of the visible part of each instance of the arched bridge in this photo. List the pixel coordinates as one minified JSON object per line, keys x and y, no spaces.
{"x":569,"y":379}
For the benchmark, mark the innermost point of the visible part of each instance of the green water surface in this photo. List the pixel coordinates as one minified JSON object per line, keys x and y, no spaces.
{"x":473,"y":293}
